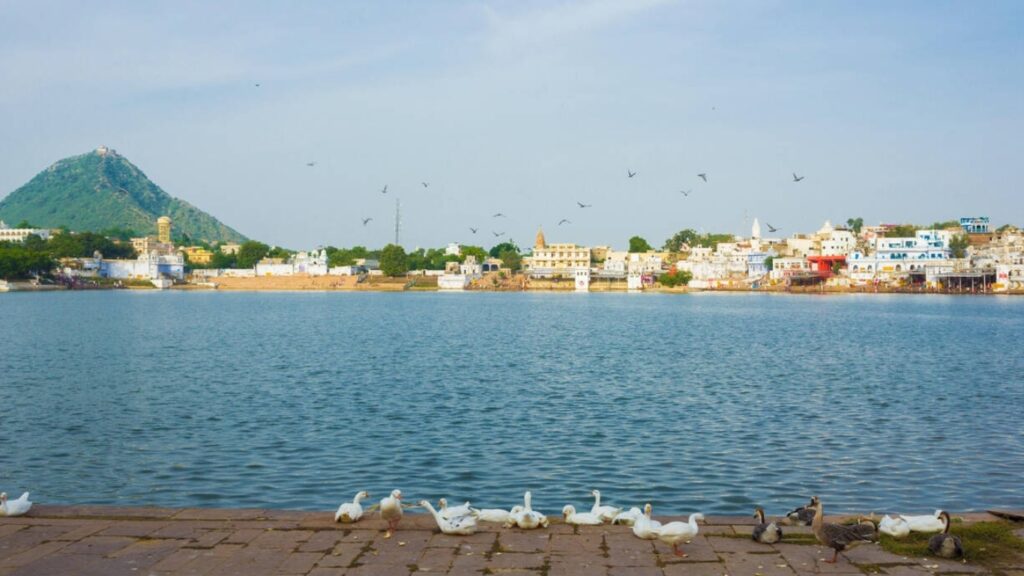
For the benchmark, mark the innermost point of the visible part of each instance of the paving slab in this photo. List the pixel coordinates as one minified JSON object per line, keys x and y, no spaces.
{"x":111,"y":541}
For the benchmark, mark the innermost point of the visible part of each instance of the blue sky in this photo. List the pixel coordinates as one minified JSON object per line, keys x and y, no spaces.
{"x":894,"y":111}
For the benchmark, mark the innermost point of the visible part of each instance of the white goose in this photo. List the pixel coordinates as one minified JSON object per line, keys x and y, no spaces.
{"x":644,"y":527}
{"x":925,"y":523}
{"x":351,"y":511}
{"x":391,"y":511}
{"x":453,"y":512}
{"x":606,"y":513}
{"x":629,"y":517}
{"x":580,"y":518}
{"x":14,"y":507}
{"x":676,"y":532}
{"x":525,"y":516}
{"x":496,"y":515}
{"x":460,"y":525}
{"x":896,"y":527}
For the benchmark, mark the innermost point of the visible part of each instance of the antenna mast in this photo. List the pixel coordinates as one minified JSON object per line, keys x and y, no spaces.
{"x":398,"y":220}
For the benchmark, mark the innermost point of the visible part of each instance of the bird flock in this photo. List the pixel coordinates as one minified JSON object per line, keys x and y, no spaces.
{"x":630,"y":174}
{"x":463,"y":519}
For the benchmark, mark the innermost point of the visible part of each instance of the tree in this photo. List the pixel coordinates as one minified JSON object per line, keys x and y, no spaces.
{"x":84,"y":244}
{"x":250,"y":253}
{"x":769,"y":263}
{"x":902,"y":231}
{"x":686,"y":237}
{"x":393,"y":261}
{"x":946,"y":225}
{"x":17,"y":261}
{"x":958,"y":244}
{"x":222,"y":260}
{"x":836,"y":267}
{"x":512,"y":259}
{"x":638,"y":244}
{"x":855,"y":224}
{"x":496,"y":251}
{"x":25,"y":224}
{"x":476,"y":251}
{"x":674,"y":278}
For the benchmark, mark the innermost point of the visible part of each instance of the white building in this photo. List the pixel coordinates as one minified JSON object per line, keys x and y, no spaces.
{"x":927,"y":252}
{"x":8,"y":234}
{"x":151,"y":266}
{"x":453,"y":249}
{"x":459,"y":276}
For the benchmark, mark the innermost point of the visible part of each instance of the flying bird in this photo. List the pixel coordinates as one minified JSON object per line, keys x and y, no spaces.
{"x":426,"y":184}
{"x":564,"y":221}
{"x":630,"y":173}
{"x":310,"y":164}
{"x":772,"y":228}
{"x":498,"y":215}
{"x":257,"y":84}
{"x":797,"y":178}
{"x":685,"y":192}
{"x":385,"y":190}
{"x":496,"y":234}
{"x":473,"y":230}
{"x":582,"y":205}
{"x":366,"y":221}
{"x":703,"y":176}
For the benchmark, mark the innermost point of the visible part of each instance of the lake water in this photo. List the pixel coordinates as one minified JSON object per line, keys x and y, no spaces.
{"x":704,"y":402}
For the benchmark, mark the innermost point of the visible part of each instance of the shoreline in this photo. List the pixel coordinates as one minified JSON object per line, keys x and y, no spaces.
{"x":114,"y":540}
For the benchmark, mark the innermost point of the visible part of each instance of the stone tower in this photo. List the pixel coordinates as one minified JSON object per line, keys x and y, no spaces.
{"x":163,"y":229}
{"x":540,"y":243}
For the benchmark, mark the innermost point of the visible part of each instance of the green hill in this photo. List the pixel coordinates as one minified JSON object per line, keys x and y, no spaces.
{"x":102,"y":190}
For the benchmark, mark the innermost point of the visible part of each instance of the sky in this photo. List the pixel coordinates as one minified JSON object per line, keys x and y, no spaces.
{"x":908,"y":111}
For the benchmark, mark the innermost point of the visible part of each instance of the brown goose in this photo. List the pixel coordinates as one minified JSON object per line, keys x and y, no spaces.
{"x":839,"y":537}
{"x":765,"y":532}
{"x":946,"y":545}
{"x":802,"y":516}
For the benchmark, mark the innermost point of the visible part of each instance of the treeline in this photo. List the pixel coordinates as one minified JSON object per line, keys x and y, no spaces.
{"x":37,"y":256}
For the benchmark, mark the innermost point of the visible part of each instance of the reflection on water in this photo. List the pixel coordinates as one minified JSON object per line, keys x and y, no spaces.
{"x":701,"y":402}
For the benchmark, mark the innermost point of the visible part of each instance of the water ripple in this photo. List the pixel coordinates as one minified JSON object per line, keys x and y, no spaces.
{"x":711,"y":402}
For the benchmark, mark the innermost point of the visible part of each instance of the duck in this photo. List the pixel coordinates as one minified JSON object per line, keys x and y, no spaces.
{"x":644,"y":527}
{"x":351,"y":511}
{"x":896,"y":527}
{"x":925,"y":523}
{"x":453,"y":512}
{"x":765,"y":532}
{"x":629,"y":517}
{"x":571,"y":516}
{"x":391,"y":511}
{"x":606,"y":513}
{"x":837,"y":536}
{"x":14,"y":507}
{"x":802,"y":516}
{"x":674,"y":533}
{"x":496,"y":515}
{"x":458,"y":526}
{"x":525,"y":516}
{"x":946,"y":545}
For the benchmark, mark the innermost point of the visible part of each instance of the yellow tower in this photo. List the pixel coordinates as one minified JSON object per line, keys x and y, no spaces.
{"x":540,"y":243}
{"x":163,"y":229}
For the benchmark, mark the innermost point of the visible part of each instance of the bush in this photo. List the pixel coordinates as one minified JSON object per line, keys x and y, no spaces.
{"x":675,"y":278}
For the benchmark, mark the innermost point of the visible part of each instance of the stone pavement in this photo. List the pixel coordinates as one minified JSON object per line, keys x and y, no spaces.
{"x":109,"y":541}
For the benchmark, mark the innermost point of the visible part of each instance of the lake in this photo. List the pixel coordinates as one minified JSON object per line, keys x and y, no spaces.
{"x":700,"y":402}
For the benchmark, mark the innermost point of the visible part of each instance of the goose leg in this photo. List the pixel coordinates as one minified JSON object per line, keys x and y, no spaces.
{"x":678,"y":552}
{"x":835,"y":556}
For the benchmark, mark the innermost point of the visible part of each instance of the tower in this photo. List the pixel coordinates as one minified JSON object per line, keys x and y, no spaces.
{"x":163,"y":229}
{"x":398,"y":220}
{"x":540,"y":243}
{"x":755,"y":230}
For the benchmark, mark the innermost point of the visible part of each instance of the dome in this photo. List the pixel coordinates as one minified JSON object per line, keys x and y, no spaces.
{"x":540,"y":243}
{"x":163,"y":220}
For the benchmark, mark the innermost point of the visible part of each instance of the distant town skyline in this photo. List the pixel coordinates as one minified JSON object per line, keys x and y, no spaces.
{"x":295,"y":123}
